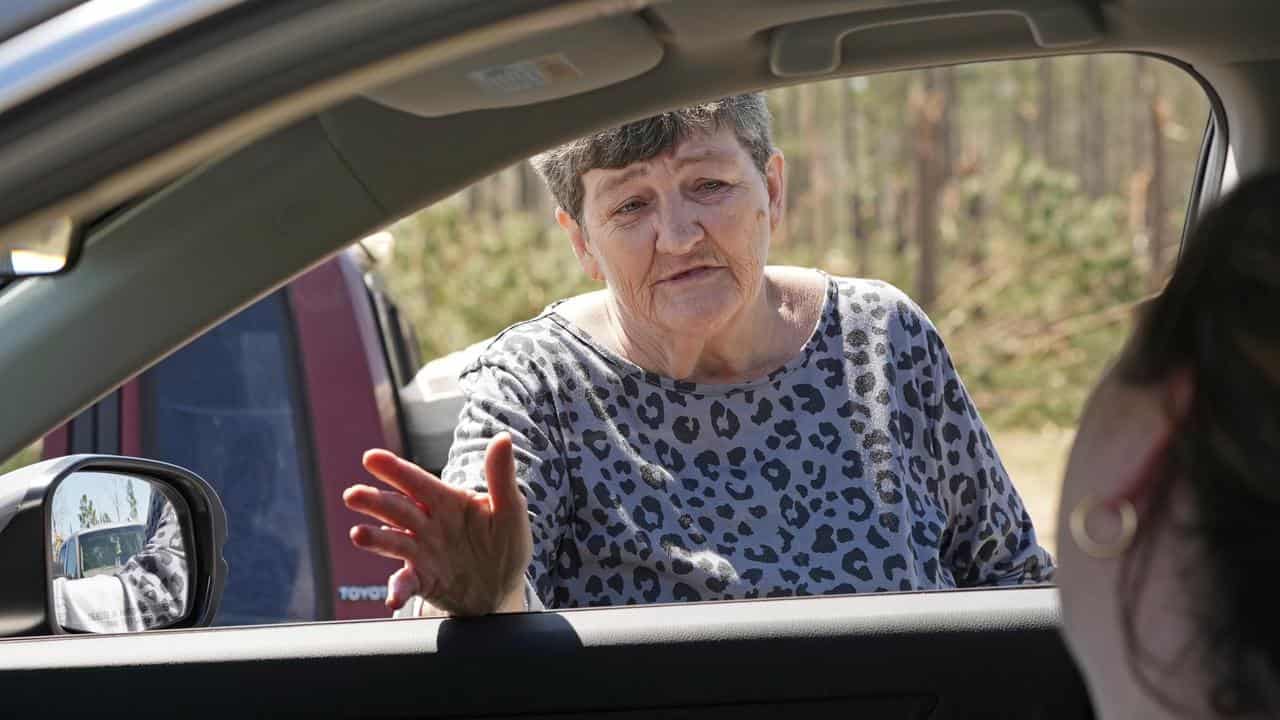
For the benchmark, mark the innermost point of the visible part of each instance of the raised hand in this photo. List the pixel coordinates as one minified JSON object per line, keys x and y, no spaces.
{"x":464,"y":552}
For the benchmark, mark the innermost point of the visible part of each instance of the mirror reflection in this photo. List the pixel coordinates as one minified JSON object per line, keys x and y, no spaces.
{"x":118,"y":554}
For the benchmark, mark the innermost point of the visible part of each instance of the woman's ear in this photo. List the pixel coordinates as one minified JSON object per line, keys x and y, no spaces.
{"x":775,"y":180}
{"x":1151,"y":434}
{"x":581,"y":248}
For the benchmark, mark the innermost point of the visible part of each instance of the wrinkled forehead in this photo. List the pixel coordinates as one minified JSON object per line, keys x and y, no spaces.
{"x":719,"y":146}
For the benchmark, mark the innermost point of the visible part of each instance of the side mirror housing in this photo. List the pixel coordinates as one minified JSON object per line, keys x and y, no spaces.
{"x":157,"y":563}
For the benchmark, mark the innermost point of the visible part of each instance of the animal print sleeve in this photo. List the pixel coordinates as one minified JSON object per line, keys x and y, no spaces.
{"x":496,"y":402}
{"x":989,"y":538}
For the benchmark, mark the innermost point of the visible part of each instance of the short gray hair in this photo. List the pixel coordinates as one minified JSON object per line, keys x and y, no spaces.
{"x":563,"y":167}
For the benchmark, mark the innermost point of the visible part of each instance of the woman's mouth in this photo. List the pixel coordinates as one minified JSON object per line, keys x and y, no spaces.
{"x":697,"y":273}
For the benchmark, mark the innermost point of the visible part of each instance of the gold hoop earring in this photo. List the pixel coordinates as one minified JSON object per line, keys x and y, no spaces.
{"x":1093,"y":548}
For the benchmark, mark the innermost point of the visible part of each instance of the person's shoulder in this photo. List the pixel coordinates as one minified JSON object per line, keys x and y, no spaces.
{"x":586,"y":311}
{"x":537,"y":338}
{"x":879,"y":300}
{"x":802,"y":291}
{"x":870,"y":291}
{"x":511,"y":349}
{"x":544,"y":344}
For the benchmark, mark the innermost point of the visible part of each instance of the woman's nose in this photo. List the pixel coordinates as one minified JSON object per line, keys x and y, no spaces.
{"x":680,"y":228}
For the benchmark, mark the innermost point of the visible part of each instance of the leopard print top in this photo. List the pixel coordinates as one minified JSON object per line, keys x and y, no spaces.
{"x":859,"y":466}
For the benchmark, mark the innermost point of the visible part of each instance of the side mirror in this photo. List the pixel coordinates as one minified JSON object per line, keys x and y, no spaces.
{"x":98,"y":543}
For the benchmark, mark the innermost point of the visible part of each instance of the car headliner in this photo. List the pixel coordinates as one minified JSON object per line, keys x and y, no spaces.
{"x":232,"y":230}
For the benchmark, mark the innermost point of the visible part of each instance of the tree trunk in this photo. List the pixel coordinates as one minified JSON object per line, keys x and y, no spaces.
{"x":1138,"y":120}
{"x":900,"y":209}
{"x":1024,"y":111}
{"x":799,"y":110}
{"x":861,"y":220}
{"x":816,"y":205}
{"x":929,"y":108}
{"x":951,"y":94}
{"x":506,"y":197}
{"x":1046,"y":112}
{"x":976,"y":214}
{"x":836,"y":124}
{"x":1093,"y":130}
{"x":534,"y":196}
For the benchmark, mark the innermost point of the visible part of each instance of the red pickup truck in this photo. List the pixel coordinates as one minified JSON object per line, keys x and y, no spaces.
{"x":275,"y":407}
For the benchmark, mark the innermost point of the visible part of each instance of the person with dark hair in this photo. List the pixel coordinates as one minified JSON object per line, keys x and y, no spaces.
{"x":1168,"y":515}
{"x":706,"y":427}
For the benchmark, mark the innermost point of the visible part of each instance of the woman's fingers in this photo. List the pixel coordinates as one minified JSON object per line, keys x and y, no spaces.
{"x":386,"y":542}
{"x":407,"y":477}
{"x":388,"y":507}
{"x":402,"y":585}
{"x":459,"y":548}
{"x":505,"y":498}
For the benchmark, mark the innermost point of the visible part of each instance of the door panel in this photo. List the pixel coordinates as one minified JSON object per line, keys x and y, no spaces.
{"x":352,"y":408}
{"x":988,"y":653}
{"x":230,"y":406}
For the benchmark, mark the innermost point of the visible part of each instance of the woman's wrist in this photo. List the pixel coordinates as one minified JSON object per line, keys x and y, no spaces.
{"x":519,"y":599}
{"x":516,"y":601}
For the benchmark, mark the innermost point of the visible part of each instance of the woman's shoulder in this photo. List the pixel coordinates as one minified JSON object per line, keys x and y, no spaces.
{"x":877,"y":299}
{"x":539,"y":336}
{"x":586,"y":311}
{"x":551,"y":343}
{"x":869,"y":292}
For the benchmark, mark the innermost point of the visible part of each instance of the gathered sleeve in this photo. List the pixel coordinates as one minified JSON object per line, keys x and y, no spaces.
{"x":989,"y":538}
{"x":497,"y":401}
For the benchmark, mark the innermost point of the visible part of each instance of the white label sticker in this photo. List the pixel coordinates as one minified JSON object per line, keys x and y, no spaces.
{"x":525,"y":75}
{"x":358,"y":593}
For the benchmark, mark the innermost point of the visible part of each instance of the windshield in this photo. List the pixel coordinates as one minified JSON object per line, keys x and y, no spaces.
{"x":110,"y":549}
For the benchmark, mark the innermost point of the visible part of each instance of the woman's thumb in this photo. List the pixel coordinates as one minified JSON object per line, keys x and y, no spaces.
{"x":500,"y":474}
{"x":402,"y":585}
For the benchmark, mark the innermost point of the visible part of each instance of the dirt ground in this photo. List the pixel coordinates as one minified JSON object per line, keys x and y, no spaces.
{"x":1035,"y":461}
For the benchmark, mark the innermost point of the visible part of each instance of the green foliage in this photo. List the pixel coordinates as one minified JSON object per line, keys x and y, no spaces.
{"x":1033,"y":323}
{"x":88,"y":515}
{"x":1031,"y":319}
{"x":1034,"y":297}
{"x":131,"y":498}
{"x":1036,"y":273}
{"x":507,"y":270}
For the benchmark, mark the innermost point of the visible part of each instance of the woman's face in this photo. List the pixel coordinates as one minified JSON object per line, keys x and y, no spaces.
{"x":681,"y":240}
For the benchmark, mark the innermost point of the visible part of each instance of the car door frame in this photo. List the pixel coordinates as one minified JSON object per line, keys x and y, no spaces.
{"x":385,"y":661}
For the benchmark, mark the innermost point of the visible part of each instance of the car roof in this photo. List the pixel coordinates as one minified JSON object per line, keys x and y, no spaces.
{"x":107,"y":528}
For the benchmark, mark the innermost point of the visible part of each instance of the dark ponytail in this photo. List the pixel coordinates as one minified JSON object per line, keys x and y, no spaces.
{"x":1219,"y":316}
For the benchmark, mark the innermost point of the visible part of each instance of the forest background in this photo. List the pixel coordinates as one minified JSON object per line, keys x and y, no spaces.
{"x":1026,"y":205}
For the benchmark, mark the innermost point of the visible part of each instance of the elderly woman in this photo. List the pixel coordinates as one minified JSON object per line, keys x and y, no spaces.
{"x":1169,"y":506}
{"x":706,"y":426}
